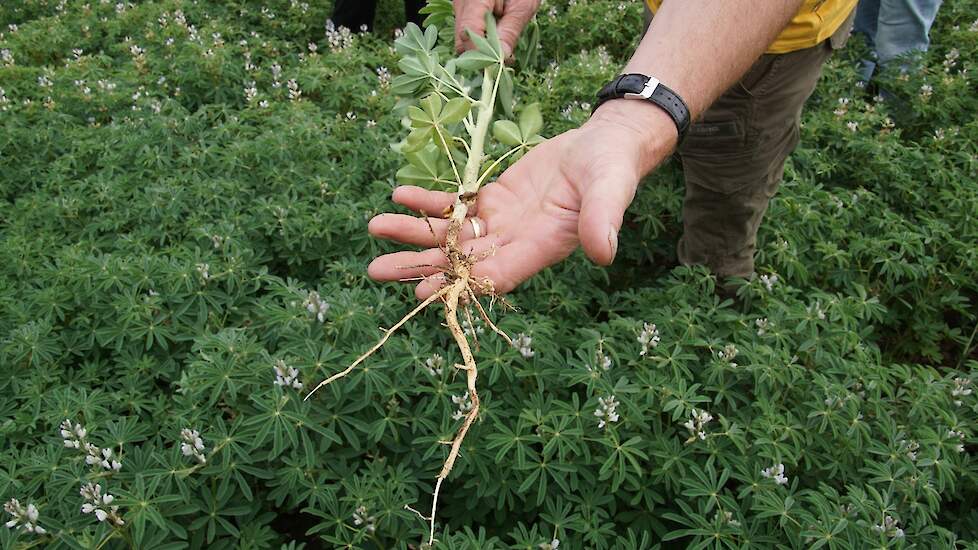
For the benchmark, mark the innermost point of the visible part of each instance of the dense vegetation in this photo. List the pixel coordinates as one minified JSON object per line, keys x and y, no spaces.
{"x":184,"y":192}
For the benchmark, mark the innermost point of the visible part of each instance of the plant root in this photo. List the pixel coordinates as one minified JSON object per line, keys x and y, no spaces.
{"x":461,"y":288}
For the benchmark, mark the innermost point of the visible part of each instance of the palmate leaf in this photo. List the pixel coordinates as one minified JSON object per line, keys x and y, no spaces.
{"x":414,"y":41}
{"x":507,"y":133}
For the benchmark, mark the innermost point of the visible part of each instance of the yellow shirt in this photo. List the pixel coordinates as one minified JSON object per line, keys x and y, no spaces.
{"x":814,"y":23}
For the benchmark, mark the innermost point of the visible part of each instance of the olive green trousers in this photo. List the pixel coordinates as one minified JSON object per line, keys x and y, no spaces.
{"x":733,"y":157}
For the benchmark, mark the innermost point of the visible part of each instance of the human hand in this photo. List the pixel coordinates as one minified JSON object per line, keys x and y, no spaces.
{"x":513,"y":16}
{"x":572,"y":189}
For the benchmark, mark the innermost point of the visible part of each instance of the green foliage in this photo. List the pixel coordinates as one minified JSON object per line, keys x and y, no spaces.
{"x":184,"y":192}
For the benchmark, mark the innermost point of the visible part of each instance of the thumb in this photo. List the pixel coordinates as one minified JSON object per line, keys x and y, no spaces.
{"x":603,"y":205}
{"x":513,"y":21}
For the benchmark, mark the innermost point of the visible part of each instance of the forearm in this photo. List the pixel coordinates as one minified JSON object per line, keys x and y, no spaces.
{"x":699,"y":48}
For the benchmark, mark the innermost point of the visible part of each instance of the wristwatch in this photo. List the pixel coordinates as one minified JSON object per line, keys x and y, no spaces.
{"x":648,"y":88}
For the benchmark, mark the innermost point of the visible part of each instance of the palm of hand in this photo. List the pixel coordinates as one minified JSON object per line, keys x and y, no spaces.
{"x":569,"y":189}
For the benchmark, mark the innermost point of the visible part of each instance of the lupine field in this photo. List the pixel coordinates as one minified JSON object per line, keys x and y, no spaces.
{"x":185,"y":187}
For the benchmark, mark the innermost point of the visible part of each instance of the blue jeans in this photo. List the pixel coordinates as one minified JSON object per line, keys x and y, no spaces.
{"x":894,"y":28}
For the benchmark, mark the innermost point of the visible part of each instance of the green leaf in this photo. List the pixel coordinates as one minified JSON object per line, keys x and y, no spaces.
{"x":412,"y":66}
{"x":531,"y":122}
{"x":483,"y":45}
{"x":403,"y":84}
{"x":506,"y":91}
{"x":412,"y":41}
{"x":430,"y":36}
{"x":455,"y":110}
{"x":507,"y":132}
{"x":425,"y":159}
{"x":492,"y":35}
{"x":412,"y":175}
{"x":432,"y":105}
{"x":417,"y":139}
{"x":419,"y":118}
{"x":474,"y":60}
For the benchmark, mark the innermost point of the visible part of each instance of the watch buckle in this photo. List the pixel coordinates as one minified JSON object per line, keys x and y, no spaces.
{"x":647,"y":91}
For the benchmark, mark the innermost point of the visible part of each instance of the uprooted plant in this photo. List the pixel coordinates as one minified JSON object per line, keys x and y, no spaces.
{"x":440,"y":110}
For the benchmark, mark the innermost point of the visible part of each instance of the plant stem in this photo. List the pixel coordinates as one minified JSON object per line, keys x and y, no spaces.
{"x":470,"y":181}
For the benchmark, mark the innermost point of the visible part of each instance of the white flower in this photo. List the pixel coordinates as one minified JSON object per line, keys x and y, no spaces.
{"x":286,"y":375}
{"x":472,"y":328}
{"x":74,"y":438}
{"x":316,"y":306}
{"x":338,"y":38}
{"x":727,"y":518}
{"x":696,"y":425}
{"x":361,"y":517}
{"x":294,"y":92}
{"x":889,"y":527}
{"x":552,"y":545}
{"x":464,"y":403}
{"x":769,"y":281}
{"x":816,"y":310}
{"x":910,"y":448}
{"x":727,"y":354}
{"x":607,"y":410}
{"x":853,"y":126}
{"x":23,"y":518}
{"x":602,"y":360}
{"x":192,"y":445}
{"x":522,"y":344}
{"x":100,"y":504}
{"x":73,"y":434}
{"x":205,"y":271}
{"x":649,"y":337}
{"x":6,"y":57}
{"x":762,"y":326}
{"x":961,"y":389}
{"x":926,"y":91}
{"x":776,"y":473}
{"x":434,"y":365}
{"x":383,"y":77}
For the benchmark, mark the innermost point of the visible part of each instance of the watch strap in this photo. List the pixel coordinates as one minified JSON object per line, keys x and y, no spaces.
{"x":640,"y":86}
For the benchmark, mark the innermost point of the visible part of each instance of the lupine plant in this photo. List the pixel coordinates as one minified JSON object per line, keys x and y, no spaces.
{"x":185,"y":188}
{"x":448,"y":145}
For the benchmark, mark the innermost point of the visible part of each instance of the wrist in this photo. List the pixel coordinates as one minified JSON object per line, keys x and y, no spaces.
{"x":652,"y":129}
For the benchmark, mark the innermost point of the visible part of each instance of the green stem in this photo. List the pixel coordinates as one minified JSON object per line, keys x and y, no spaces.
{"x":967,"y":347}
{"x":495,"y":164}
{"x":490,"y":85}
{"x":451,"y":159}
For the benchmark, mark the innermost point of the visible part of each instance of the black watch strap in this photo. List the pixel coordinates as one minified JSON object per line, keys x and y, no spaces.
{"x":639,"y":86}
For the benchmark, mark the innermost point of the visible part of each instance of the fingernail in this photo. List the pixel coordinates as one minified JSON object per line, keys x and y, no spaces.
{"x":613,"y":241}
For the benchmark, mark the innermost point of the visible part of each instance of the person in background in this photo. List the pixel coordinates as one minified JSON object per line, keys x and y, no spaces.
{"x":731,"y":77}
{"x":893,"y":29}
{"x":358,"y":14}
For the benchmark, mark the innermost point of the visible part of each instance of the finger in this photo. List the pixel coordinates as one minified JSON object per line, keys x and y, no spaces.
{"x":498,"y":7}
{"x":472,"y":19}
{"x":406,"y":264}
{"x":421,"y":200}
{"x":512,"y":23}
{"x":458,"y":7}
{"x":507,"y":266}
{"x":420,"y":231}
{"x":602,"y":207}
